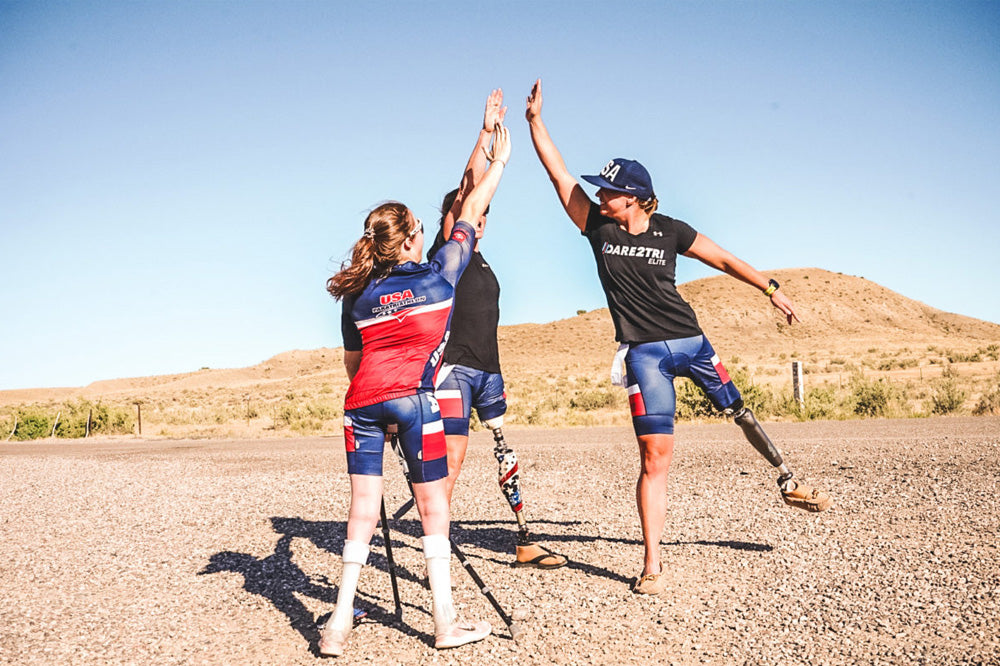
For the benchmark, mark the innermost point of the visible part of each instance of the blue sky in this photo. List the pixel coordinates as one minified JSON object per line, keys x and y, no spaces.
{"x":178,"y":179}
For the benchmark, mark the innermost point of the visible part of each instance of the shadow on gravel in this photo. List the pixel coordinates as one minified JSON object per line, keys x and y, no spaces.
{"x":735,"y":545}
{"x":278,"y":579}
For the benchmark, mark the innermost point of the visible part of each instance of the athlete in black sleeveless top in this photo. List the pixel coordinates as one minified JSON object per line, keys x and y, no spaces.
{"x":470,"y":375}
{"x":636,"y":250}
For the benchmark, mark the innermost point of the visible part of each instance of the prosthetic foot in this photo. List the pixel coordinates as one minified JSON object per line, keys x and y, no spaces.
{"x":529,"y":553}
{"x":805,"y":497}
{"x":793,"y":493}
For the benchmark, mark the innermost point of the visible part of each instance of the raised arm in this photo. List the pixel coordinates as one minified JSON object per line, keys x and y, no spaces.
{"x":575,"y":201}
{"x":476,"y":166}
{"x":706,"y":251}
{"x":482,"y":192}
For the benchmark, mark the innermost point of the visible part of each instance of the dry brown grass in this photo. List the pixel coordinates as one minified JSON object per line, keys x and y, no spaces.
{"x":557,"y":372}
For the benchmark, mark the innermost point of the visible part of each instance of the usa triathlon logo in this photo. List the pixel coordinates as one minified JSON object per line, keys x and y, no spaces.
{"x":396,"y":300}
{"x":653,"y":254}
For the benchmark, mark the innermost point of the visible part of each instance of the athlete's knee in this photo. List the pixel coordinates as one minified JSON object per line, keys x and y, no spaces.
{"x":655,"y":454}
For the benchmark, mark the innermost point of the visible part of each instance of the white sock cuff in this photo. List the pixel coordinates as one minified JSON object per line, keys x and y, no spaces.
{"x":436,"y":546}
{"x":355,"y":552}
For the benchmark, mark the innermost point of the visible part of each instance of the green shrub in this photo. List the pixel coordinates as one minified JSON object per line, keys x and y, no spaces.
{"x":32,"y":423}
{"x":871,"y":396}
{"x":822,"y":403}
{"x":946,"y":396}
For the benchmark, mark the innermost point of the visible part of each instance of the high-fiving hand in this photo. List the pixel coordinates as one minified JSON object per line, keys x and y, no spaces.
{"x":534,"y":101}
{"x":495,"y":110}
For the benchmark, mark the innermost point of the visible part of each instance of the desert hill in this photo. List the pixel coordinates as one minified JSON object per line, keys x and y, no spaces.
{"x":847,"y":324}
{"x":841,"y":315}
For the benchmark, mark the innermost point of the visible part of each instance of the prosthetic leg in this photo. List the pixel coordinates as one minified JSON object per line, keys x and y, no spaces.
{"x":794,"y":493}
{"x":529,"y":553}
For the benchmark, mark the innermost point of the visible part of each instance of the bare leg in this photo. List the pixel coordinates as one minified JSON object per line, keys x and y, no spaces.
{"x":366,"y":496}
{"x":655,"y":455}
{"x":432,"y":502}
{"x":457,"y":446}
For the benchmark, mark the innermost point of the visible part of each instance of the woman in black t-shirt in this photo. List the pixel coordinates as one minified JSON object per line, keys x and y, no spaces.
{"x":636,"y":252}
{"x":470,"y":376}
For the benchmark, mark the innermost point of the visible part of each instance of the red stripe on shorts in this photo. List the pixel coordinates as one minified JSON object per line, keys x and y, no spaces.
{"x":635,"y":401}
{"x":450,"y":403}
{"x":433,"y":442}
{"x":719,"y":368}
{"x":349,"y":438}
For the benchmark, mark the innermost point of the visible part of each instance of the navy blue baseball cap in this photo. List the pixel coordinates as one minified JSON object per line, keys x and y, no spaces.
{"x":622,"y":175}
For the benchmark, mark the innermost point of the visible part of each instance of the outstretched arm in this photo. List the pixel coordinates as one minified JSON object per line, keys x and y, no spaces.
{"x":482,"y":193}
{"x":575,"y":201}
{"x":706,"y":251}
{"x":476,"y":166}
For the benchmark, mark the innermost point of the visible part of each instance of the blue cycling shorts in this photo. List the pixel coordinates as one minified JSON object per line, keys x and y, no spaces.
{"x":651,"y":368}
{"x":421,"y":434}
{"x":460,"y":388}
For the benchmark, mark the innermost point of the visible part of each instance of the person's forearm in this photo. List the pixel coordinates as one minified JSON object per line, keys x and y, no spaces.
{"x":546,"y":150}
{"x":744,"y":272}
{"x":481,"y":195}
{"x":474,"y":170}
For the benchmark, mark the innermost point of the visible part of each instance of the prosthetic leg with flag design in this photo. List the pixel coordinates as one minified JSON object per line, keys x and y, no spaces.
{"x":529,"y":553}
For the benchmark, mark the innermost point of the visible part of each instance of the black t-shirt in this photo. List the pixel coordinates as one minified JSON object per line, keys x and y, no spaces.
{"x":638,"y":272}
{"x":473,"y":338}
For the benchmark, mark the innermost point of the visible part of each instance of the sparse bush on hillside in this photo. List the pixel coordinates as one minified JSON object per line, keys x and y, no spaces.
{"x":305,"y":418}
{"x":989,"y":402}
{"x":946,"y":396}
{"x":592,"y":399}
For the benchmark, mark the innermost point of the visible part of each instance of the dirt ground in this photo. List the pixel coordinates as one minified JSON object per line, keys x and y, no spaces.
{"x":219,"y":552}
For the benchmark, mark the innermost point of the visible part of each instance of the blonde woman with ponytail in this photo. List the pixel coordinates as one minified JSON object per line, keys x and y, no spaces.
{"x":396,"y":312}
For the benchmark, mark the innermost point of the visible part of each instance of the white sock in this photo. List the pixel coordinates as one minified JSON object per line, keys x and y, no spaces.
{"x":437,"y":550}
{"x":355,"y":557}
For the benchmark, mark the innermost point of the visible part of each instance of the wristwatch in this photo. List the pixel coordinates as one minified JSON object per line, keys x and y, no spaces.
{"x":772,"y":286}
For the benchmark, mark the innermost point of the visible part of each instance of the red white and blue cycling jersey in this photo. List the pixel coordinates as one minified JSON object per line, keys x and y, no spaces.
{"x":400,"y":323}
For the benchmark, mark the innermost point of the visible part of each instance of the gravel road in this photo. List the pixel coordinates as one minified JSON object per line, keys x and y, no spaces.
{"x":217,"y":552}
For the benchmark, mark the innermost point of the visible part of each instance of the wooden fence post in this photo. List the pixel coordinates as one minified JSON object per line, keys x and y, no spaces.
{"x":798,"y":387}
{"x":138,"y":409}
